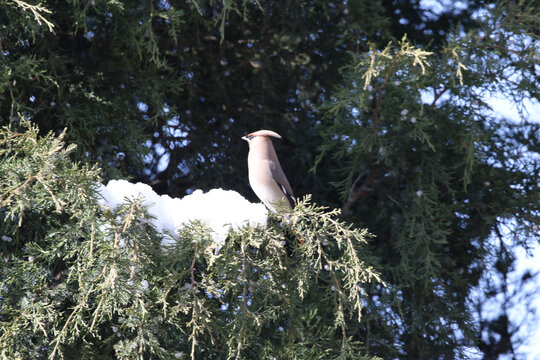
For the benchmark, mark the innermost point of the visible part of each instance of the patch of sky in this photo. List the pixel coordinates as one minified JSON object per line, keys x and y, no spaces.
{"x":163,"y":162}
{"x":165,"y":5}
{"x":434,"y":8}
{"x":525,"y":299}
{"x":523,"y":308}
{"x":509,"y":109}
{"x":159,"y":149}
{"x":174,"y":130}
{"x":183,"y":167}
{"x":142,"y":106}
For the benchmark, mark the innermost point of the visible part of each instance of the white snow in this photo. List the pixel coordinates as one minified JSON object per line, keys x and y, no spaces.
{"x":220,"y":209}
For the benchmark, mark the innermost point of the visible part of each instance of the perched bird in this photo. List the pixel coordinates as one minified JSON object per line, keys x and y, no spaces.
{"x":266,"y":177}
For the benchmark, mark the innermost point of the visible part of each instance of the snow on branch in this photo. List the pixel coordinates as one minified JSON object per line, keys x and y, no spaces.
{"x":220,"y":209}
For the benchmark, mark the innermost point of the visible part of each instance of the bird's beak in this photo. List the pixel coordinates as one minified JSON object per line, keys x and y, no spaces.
{"x":245,"y":138}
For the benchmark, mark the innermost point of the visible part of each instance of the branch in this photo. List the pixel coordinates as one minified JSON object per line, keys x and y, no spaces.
{"x":17,"y":190}
{"x":63,"y":331}
{"x":437,"y":96}
{"x":194,"y":313}
{"x":36,"y":9}
{"x":339,"y":296}
{"x":355,"y":194}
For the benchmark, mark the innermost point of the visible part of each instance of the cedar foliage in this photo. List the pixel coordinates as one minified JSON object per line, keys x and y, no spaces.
{"x":82,"y":281}
{"x":395,"y":130}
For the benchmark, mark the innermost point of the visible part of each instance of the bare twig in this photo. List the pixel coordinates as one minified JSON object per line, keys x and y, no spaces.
{"x":436,"y":95}
{"x":357,"y":193}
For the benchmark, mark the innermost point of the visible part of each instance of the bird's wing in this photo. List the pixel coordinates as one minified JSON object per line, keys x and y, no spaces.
{"x":279,"y":177}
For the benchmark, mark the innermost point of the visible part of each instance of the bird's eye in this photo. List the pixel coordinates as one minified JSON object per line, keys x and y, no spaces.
{"x":250,"y":137}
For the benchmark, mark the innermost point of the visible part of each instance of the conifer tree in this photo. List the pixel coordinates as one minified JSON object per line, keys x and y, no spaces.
{"x":384,"y":112}
{"x":82,"y":281}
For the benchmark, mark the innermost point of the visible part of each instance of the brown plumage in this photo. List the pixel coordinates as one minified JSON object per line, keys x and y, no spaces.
{"x":266,"y":177}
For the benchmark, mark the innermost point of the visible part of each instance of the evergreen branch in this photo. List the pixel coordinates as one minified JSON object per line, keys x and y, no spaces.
{"x":341,"y":316}
{"x":59,"y":204}
{"x":17,"y":190}
{"x":194,"y":308}
{"x":245,"y":281}
{"x":62,"y":334}
{"x":460,"y":66}
{"x":240,"y":337}
{"x":419,"y":56}
{"x":96,"y":313}
{"x":131,"y":214}
{"x":36,"y":11}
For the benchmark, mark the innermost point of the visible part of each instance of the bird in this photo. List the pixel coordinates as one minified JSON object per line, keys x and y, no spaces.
{"x":266,"y":177}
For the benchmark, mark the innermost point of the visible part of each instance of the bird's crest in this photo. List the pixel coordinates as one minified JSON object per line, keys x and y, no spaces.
{"x":264,"y":133}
